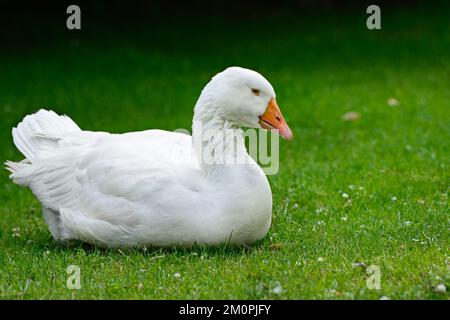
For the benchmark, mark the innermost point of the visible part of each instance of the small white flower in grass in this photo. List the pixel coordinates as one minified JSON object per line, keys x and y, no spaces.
{"x":295,"y":206}
{"x":385,"y":298}
{"x":420,"y":201}
{"x":344,"y":195}
{"x":344,"y":218}
{"x":394,"y":198}
{"x":407,"y":223}
{"x":359,"y":264}
{"x":320,"y":259}
{"x":352,"y":187}
{"x":440,"y":288}
{"x":176,"y":275}
{"x":16,"y":232}
{"x":331,"y":291}
{"x":348,"y":203}
{"x":320,"y":210}
{"x":320,"y":222}
{"x":278,"y":289}
{"x":392,"y":102}
{"x":351,"y":116}
{"x":298,"y":263}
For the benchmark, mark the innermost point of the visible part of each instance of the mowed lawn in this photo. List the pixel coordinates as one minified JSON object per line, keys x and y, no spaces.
{"x":348,"y":195}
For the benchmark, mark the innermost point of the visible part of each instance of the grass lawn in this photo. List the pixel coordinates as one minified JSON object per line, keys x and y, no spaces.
{"x":374,"y":190}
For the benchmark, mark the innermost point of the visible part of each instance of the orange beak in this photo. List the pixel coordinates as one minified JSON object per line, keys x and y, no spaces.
{"x":272,"y":119}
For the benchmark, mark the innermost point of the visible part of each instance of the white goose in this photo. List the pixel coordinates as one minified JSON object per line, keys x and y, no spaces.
{"x":153,"y":187}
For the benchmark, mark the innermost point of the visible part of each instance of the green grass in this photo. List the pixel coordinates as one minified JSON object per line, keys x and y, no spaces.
{"x":321,"y":67}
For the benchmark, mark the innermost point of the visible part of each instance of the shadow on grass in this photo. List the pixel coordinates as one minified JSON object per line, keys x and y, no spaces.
{"x":46,"y":243}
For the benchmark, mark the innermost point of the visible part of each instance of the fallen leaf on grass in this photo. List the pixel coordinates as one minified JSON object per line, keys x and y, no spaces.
{"x":276,"y":246}
{"x":351,"y":116}
{"x":392,"y":102}
{"x":359,"y":264}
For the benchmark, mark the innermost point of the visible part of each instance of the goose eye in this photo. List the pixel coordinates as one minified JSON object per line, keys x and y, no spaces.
{"x":256,"y":92}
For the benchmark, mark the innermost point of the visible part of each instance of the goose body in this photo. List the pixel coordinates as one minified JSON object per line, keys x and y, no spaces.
{"x":149,"y":187}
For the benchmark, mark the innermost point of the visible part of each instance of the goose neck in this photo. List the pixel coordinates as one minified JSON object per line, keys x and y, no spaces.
{"x":218,"y":144}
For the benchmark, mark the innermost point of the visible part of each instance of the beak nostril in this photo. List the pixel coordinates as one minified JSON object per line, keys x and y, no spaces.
{"x":278,"y":118}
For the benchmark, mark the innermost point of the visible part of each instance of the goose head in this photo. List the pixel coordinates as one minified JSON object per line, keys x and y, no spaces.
{"x":244,"y":98}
